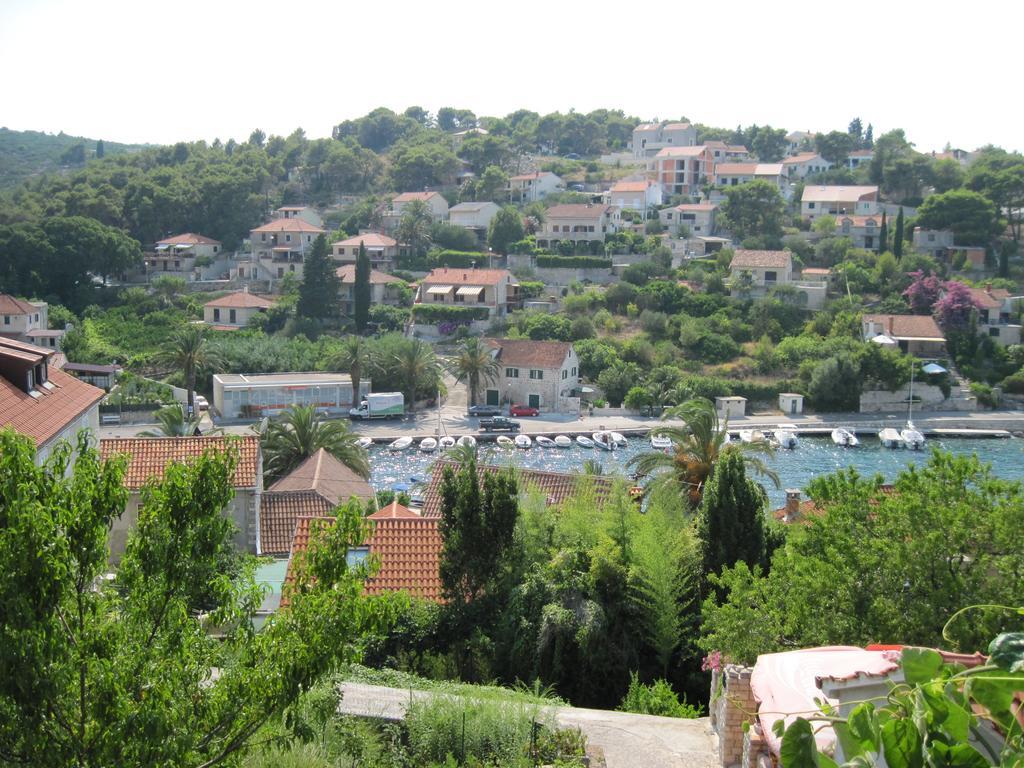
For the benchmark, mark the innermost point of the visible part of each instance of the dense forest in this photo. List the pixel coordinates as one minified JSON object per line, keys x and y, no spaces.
{"x":24,"y":154}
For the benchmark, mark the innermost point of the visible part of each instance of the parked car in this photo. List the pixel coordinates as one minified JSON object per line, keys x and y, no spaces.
{"x":484,"y":410}
{"x":499,"y":424}
{"x":523,"y":410}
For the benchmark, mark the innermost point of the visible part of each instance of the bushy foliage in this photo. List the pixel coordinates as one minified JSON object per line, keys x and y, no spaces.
{"x":658,"y":698}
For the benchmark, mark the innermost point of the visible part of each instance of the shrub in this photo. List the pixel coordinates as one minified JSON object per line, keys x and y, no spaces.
{"x":984,"y":394}
{"x":1014,"y":383}
{"x":432,"y":314}
{"x":573,"y":262}
{"x":656,"y":699}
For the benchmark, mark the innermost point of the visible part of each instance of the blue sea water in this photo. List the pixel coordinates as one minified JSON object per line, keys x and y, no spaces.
{"x":813,"y":457}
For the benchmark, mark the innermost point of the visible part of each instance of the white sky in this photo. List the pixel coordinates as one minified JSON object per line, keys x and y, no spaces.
{"x":157,"y":71}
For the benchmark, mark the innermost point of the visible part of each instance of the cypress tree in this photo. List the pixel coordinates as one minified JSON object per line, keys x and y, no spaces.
{"x":100,"y":149}
{"x":730,"y":520}
{"x":318,"y":291}
{"x":897,"y":242}
{"x":883,"y":236}
{"x":361,"y":292}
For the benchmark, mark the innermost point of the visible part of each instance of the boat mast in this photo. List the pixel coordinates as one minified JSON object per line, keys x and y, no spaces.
{"x":910,"y":402}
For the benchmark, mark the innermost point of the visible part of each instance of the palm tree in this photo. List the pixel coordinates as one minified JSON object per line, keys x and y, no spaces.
{"x":461,"y":454}
{"x":475,"y":365}
{"x":353,"y":356}
{"x":417,"y":365}
{"x":299,"y":433}
{"x":189,"y":350}
{"x":697,"y":446}
{"x":414,"y":227}
{"x":173,"y":423}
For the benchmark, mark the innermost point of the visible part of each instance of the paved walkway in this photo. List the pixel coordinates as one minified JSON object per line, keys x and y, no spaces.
{"x":628,"y":741}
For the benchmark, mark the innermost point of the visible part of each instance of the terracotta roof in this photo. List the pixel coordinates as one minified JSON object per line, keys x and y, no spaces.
{"x":815,"y":194}
{"x":150,"y":456}
{"x":696,"y":207}
{"x":528,"y":176}
{"x":370,"y":240}
{"x":347,"y":273}
{"x":577,"y":211}
{"x":989,"y":298}
{"x":456,"y":276}
{"x":743,"y":259}
{"x":525,"y":353}
{"x":12,"y":306}
{"x":676,"y":126}
{"x":188,"y":238}
{"x":749,"y":169}
{"x":278,"y":512}
{"x":803,"y":157}
{"x":89,"y":368}
{"x":816,"y":271}
{"x":907,"y":326}
{"x":682,"y":151}
{"x":294,"y":224}
{"x":241,"y":299}
{"x":860,"y":221}
{"x":394,"y":511}
{"x":557,"y":486}
{"x":632,"y":186}
{"x":324,"y":474}
{"x":471,"y":207}
{"x":62,"y":403}
{"x":407,"y":197}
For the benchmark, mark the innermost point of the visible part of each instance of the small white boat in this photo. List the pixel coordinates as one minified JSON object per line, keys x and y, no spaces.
{"x":467,"y":440}
{"x":891,"y":438}
{"x":584,"y":442}
{"x":604,"y":440}
{"x":751,"y":436}
{"x":786,"y":437}
{"x":844,"y":437}
{"x":365,"y":442}
{"x":504,"y":441}
{"x":446,"y":442}
{"x":619,"y":439}
{"x":400,"y":444}
{"x":911,"y":437}
{"x":545,"y":442}
{"x":523,"y":441}
{"x":561,"y":441}
{"x":428,"y":445}
{"x":660,"y":443}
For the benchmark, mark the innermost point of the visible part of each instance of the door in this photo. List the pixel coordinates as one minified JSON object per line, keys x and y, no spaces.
{"x":493,"y":397}
{"x":534,"y":401}
{"x":792,"y":406}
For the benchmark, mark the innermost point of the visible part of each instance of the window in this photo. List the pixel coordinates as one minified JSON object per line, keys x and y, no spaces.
{"x":7,"y":319}
{"x":511,"y":373}
{"x":356,"y":556}
{"x":810,"y":205}
{"x":770,"y":277}
{"x":574,"y":370}
{"x":216,"y":314}
{"x":536,"y":374}
{"x":263,"y":237}
{"x":993,"y":332}
{"x":287,"y":238}
{"x":280,"y":271}
{"x":565,"y":375}
{"x":232,"y":317}
{"x":291,"y":267}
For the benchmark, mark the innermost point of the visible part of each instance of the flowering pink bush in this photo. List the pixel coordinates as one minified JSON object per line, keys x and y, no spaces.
{"x":953,"y":310}
{"x":923,"y":292}
{"x":712,"y":662}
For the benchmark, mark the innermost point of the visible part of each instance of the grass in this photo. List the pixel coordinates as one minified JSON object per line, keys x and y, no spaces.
{"x":392,"y":678}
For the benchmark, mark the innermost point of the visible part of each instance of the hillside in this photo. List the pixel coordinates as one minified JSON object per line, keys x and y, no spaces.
{"x":24,"y":154}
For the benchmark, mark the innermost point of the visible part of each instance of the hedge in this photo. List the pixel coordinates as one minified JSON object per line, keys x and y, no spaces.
{"x":462,"y":259}
{"x":573,"y":262}
{"x":432,"y":314}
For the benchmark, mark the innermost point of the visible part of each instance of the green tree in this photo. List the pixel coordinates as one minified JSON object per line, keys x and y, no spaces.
{"x":753,"y":209}
{"x":999,"y":175}
{"x":617,"y":380}
{"x":899,"y":236}
{"x":730,"y":520}
{"x":123,"y":672}
{"x":173,"y":422}
{"x":883,"y":235}
{"x":970,"y":215}
{"x":299,"y":432}
{"x":417,"y":368}
{"x":318,"y":292}
{"x":414,"y":227}
{"x":361,"y":291}
{"x":353,"y":356}
{"x":101,"y":149}
{"x":506,"y":228}
{"x":189,"y":351}
{"x":770,"y":144}
{"x":474,"y":363}
{"x":417,"y":164}
{"x":492,"y":184}
{"x":834,"y":146}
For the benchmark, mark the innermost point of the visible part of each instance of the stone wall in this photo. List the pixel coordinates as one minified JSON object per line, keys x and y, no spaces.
{"x":927,"y":397}
{"x":732,"y":704}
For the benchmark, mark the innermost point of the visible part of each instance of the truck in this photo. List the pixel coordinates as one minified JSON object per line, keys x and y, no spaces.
{"x":499,"y":424}
{"x":380,"y":405}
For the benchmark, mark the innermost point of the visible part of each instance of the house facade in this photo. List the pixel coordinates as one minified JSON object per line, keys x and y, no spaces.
{"x":578,"y":223}
{"x":805,"y":164}
{"x":540,"y":374}
{"x":999,"y":314}
{"x":936,"y":243}
{"x":495,"y":289}
{"x":864,"y":231}
{"x":650,"y":138}
{"x":435,"y":202}
{"x":476,"y":216}
{"x":634,"y":195}
{"x":914,"y":334}
{"x":177,"y":255}
{"x":767,"y":269}
{"x":280,"y":246}
{"x":837,"y":200}
{"x":698,"y":217}
{"x":304,"y":212}
{"x":531,"y":187}
{"x":733,"y":174}
{"x":235,"y":310}
{"x":384,"y":289}
{"x":382,"y":250}
{"x":681,"y":170}
{"x":255,"y":395}
{"x":28,"y":321}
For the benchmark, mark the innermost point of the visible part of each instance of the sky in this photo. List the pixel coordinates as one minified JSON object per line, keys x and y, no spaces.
{"x":159,"y":72}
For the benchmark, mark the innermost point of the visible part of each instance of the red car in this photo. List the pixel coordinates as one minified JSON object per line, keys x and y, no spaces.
{"x":523,"y":410}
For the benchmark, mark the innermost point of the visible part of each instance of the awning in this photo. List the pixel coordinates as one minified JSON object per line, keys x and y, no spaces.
{"x":282,"y":249}
{"x":934,"y":369}
{"x":182,"y":246}
{"x":162,"y":247}
{"x":884,"y":340}
{"x":469,"y":290}
{"x":439,"y":290}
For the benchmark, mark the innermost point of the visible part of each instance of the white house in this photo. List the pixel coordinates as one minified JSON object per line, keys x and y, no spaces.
{"x":539,"y":374}
{"x":805,"y":164}
{"x":382,"y":250}
{"x":799,"y":141}
{"x":476,"y":216}
{"x":578,"y":222}
{"x":834,"y":200}
{"x":635,"y":195}
{"x":998,"y":314}
{"x":177,"y":255}
{"x":770,"y":269}
{"x":727,"y":153}
{"x":304,"y":212}
{"x":531,"y":187}
{"x":681,"y":170}
{"x":234,"y":310}
{"x":733,"y":174}
{"x":651,"y":138}
{"x":280,"y":246}
{"x":698,"y":217}
{"x":933,"y":242}
{"x":859,"y":157}
{"x":28,"y":321}
{"x":435,"y":202}
{"x":864,"y":231}
{"x":495,"y":289}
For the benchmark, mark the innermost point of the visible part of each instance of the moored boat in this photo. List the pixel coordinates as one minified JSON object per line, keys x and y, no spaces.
{"x":619,"y":439}
{"x":660,"y":442}
{"x":428,"y":445}
{"x":467,"y":440}
{"x":751,"y":436}
{"x":523,"y":441}
{"x":912,"y":437}
{"x":504,"y":441}
{"x":786,"y":437}
{"x":400,"y":444}
{"x":545,"y":442}
{"x":584,"y":442}
{"x":365,"y":442}
{"x":844,"y":437}
{"x":603,"y":440}
{"x":890,"y":438}
{"x":446,"y":442}
{"x":562,"y":441}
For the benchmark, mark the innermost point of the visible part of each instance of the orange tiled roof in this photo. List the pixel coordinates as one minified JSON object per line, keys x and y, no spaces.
{"x":408,"y":197}
{"x":241,"y":300}
{"x":744,"y":259}
{"x":803,"y":157}
{"x":324,"y":474}
{"x":827,"y":194}
{"x":150,"y":456}
{"x":347,"y":274}
{"x":577,"y":211}
{"x":989,"y":298}
{"x":455,"y":276}
{"x":188,"y":238}
{"x":394,"y":511}
{"x":12,"y":306}
{"x":294,"y":224}
{"x":907,"y":326}
{"x":524,"y":353}
{"x":632,"y":186}
{"x":682,"y":151}
{"x":42,"y":418}
{"x":279,"y":511}
{"x":370,"y":240}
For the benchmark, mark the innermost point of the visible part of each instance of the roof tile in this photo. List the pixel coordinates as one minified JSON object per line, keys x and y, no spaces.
{"x":149,"y":457}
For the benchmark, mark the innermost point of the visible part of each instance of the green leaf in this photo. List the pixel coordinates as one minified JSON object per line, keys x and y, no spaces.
{"x":920,"y":664}
{"x":995,"y":693}
{"x":1007,"y":651}
{"x":901,"y":744}
{"x":798,"y":748}
{"x":863,"y":728}
{"x":956,"y":756}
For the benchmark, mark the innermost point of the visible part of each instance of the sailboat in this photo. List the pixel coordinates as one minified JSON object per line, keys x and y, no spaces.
{"x":910,"y":436}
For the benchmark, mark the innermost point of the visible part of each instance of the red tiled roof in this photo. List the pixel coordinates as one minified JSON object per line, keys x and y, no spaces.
{"x":744,"y":259}
{"x":815,"y":194}
{"x":816,"y":271}
{"x":324,"y":474}
{"x":740,"y":169}
{"x":188,"y":238}
{"x":370,"y":240}
{"x":632,"y":186}
{"x":347,"y":273}
{"x":860,"y":221}
{"x":394,"y":511}
{"x":803,"y":157}
{"x":907,"y":326}
{"x":294,"y":224}
{"x":696,"y":207}
{"x":455,"y":276}
{"x":682,"y":151}
{"x":525,"y":353}
{"x":12,"y":306}
{"x":557,"y":486}
{"x":528,"y":176}
{"x":989,"y":298}
{"x":149,"y":457}
{"x":577,"y":211}
{"x":42,"y":418}
{"x":278,"y":512}
{"x":241,"y":300}
{"x":407,"y":197}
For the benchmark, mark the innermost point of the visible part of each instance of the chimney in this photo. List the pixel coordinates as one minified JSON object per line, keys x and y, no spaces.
{"x":792,"y":504}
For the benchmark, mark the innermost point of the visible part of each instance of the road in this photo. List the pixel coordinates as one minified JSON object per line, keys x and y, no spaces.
{"x":628,"y":740}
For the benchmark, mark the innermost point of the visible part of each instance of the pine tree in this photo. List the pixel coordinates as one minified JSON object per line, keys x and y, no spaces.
{"x":100,"y":149}
{"x":361,"y":292}
{"x":869,"y":137}
{"x":318,"y":292}
{"x":883,"y":236}
{"x":897,"y":241}
{"x":730,"y":521}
